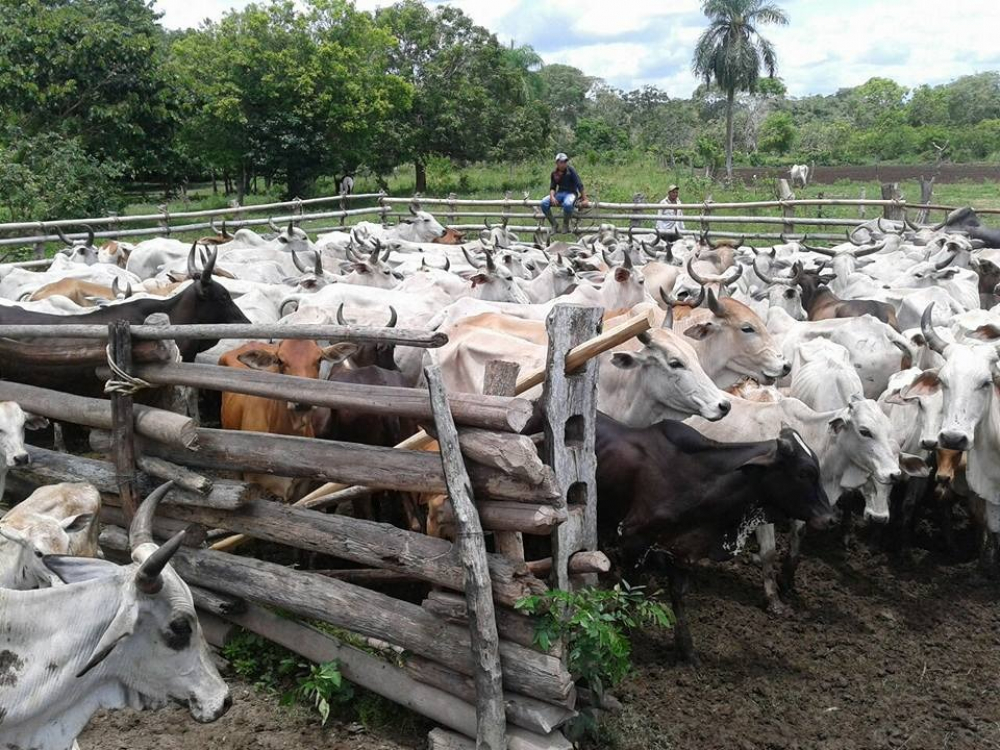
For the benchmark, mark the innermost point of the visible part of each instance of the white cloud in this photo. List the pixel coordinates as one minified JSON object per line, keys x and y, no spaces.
{"x":631,"y":43}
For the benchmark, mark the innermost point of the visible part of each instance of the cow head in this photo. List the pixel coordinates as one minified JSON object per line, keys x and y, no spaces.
{"x":378,"y":354}
{"x":420,"y":226}
{"x":497,"y":236}
{"x":21,"y":565}
{"x":294,"y":238}
{"x":213,"y":303}
{"x":928,"y":403}
{"x":13,"y":422}
{"x":373,"y":269}
{"x":299,"y":357}
{"x":451,"y":236}
{"x":670,"y":376}
{"x":782,"y":291}
{"x":153,"y":644}
{"x":115,"y":252}
{"x":790,"y":481}
{"x":863,"y":435}
{"x":734,"y":338}
{"x":79,"y":251}
{"x":493,"y":281}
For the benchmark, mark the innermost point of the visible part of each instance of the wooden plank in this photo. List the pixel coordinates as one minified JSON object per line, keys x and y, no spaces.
{"x":156,"y":424}
{"x":491,"y":724}
{"x":500,"y":379}
{"x":474,"y":410}
{"x":163,"y":528}
{"x":520,"y":710}
{"x":361,"y":541}
{"x":179,"y":475}
{"x":569,"y":421}
{"x":365,"y":612}
{"x":512,"y":626}
{"x":123,"y":420}
{"x":580,"y":563}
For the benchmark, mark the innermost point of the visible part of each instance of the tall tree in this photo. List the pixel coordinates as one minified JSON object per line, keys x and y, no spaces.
{"x":731,"y":51}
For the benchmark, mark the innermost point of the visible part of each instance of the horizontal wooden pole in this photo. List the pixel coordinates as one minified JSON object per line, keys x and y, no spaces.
{"x":66,"y":352}
{"x":581,"y":563}
{"x":360,"y":334}
{"x":512,"y":626}
{"x":51,"y":467}
{"x":365,"y":542}
{"x":349,"y":463}
{"x":490,"y":412}
{"x":365,"y":612}
{"x":157,"y":424}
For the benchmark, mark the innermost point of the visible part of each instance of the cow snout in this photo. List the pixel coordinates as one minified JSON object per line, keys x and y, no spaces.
{"x":876,"y":516}
{"x":725,"y":407}
{"x":22,"y":459}
{"x":928,"y":444}
{"x":823,"y":520}
{"x":786,"y":368}
{"x":953,"y":440}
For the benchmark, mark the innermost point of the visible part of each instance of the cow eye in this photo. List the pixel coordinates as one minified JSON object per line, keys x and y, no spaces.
{"x":676,"y":364}
{"x":986,"y":384}
{"x":865,"y":432}
{"x":747,"y":328}
{"x":178,"y":634}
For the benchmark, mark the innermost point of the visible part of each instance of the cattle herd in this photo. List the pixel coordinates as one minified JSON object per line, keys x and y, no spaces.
{"x":778,"y":384}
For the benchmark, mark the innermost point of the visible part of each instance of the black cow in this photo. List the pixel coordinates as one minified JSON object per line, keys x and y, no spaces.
{"x":204,"y":301}
{"x":966,"y":220}
{"x":822,"y":304}
{"x":666,"y":486}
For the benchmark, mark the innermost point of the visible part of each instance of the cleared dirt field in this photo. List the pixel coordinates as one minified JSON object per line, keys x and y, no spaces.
{"x":948,"y":173}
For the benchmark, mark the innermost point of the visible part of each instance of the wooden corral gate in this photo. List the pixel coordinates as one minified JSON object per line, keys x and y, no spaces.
{"x":472,"y":666}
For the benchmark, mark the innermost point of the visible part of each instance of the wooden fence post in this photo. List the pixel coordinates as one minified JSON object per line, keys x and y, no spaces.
{"x":891,"y":192}
{"x":122,"y":419}
{"x":926,"y":191}
{"x":501,"y":380}
{"x":785,"y":194}
{"x":570,"y":415}
{"x":636,"y":198}
{"x":491,"y":722}
{"x":862,"y":208}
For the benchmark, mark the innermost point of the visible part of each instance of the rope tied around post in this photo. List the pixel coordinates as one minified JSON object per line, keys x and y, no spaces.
{"x":120,"y":381}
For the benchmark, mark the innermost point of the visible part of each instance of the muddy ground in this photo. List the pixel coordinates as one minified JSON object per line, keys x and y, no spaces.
{"x":877,"y":654}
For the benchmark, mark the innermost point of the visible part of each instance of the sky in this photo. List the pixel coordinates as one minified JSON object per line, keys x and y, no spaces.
{"x":829,"y":44}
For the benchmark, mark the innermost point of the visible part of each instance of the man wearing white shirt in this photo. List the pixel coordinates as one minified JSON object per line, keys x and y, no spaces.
{"x":670,"y":226}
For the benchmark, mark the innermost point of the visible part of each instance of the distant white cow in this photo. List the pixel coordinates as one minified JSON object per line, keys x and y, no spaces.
{"x":799,"y":175}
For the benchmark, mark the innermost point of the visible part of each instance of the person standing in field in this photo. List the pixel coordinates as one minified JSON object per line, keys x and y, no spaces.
{"x":565,"y":189}
{"x":670,"y":225}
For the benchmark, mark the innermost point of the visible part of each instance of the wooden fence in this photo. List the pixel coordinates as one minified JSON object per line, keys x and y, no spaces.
{"x":473,"y":666}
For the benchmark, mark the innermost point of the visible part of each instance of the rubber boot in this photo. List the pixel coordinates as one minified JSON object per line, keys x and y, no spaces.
{"x":565,"y":226}
{"x":552,"y":221}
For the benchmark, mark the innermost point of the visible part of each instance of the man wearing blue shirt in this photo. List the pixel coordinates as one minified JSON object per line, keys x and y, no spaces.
{"x":565,"y":188}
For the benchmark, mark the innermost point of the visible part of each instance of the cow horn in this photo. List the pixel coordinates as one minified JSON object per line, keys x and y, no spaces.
{"x":646,"y":250}
{"x":693,"y":274}
{"x":910,"y":225}
{"x":318,"y":267}
{"x":291,"y":227}
{"x":225,"y":232}
{"x":90,"y":234}
{"x":732,"y":280}
{"x":941,"y":265}
{"x":490,"y":263}
{"x":211,"y":223}
{"x":340,"y":316}
{"x":447,"y":263}
{"x":878,"y":223}
{"x":373,"y":255}
{"x":413,"y":207}
{"x":62,"y":235}
{"x":607,"y":260}
{"x":393,"y":317}
{"x":627,"y":261}
{"x":423,"y":263}
{"x":115,"y":289}
{"x":206,"y":272}
{"x":714,"y":305}
{"x":797,"y":271}
{"x":388,"y":252}
{"x":298,"y":264}
{"x":760,"y":274}
{"x":942,"y":225}
{"x":140,"y":531}
{"x":850,"y":235}
{"x":934,"y":341}
{"x":869,"y":250}
{"x":827,"y":251}
{"x":469,"y":260}
{"x":274,"y":227}
{"x":192,"y":270}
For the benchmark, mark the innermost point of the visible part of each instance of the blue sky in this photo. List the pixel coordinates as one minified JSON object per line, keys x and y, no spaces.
{"x":830,"y":44}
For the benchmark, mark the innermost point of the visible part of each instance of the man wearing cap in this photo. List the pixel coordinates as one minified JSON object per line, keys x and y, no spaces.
{"x":670,"y":227}
{"x":565,"y":188}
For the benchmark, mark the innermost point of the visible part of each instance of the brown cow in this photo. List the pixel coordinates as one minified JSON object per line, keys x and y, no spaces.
{"x":83,"y":293}
{"x":301,"y":358}
{"x":822,"y":304}
{"x":451,"y":236}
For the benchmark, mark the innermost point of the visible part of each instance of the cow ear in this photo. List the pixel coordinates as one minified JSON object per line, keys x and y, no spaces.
{"x":76,"y":523}
{"x":896,"y":398}
{"x":913,"y":466}
{"x":625,"y":360}
{"x":258,"y":359}
{"x":765,"y":459}
{"x":927,"y":383}
{"x":837,"y":424}
{"x":121,"y":627}
{"x":700,"y":331}
{"x":337,"y":353}
{"x":79,"y":569}
{"x":988,"y":332}
{"x":35,"y":422}
{"x":479,"y":278}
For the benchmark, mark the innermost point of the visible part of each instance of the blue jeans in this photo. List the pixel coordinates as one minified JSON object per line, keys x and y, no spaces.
{"x":566,"y":200}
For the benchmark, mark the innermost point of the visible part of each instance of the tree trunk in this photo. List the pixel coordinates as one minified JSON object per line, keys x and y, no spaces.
{"x":215,"y":184}
{"x":421,"y":176}
{"x":730,"y":97}
{"x":241,"y":187}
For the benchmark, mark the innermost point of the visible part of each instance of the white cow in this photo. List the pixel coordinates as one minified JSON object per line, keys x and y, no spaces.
{"x":799,"y":175}
{"x":135,"y":642}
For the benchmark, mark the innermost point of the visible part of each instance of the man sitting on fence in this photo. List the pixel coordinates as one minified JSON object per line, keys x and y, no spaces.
{"x":565,"y":188}
{"x":670,"y":228}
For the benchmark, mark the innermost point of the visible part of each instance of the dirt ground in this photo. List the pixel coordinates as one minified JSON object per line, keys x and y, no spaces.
{"x":885,"y":172}
{"x":876,"y":654}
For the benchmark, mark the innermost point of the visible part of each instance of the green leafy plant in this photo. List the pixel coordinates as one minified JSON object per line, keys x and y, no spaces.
{"x":597,"y":624}
{"x":324,"y":687}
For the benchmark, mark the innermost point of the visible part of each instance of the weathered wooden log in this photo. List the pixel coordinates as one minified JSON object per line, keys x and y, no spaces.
{"x":517,"y":739}
{"x":522,"y":518}
{"x":494,"y":413}
{"x":512,"y":626}
{"x":487,"y":676}
{"x":156,"y":424}
{"x":500,"y":379}
{"x":63,"y":351}
{"x":360,"y":334}
{"x":362,"y":611}
{"x":358,"y":540}
{"x":371,"y":466}
{"x":585,"y":561}
{"x":368,"y":576}
{"x":163,"y":528}
{"x":512,"y":454}
{"x":216,"y":630}
{"x":50,"y":467}
{"x":123,"y":419}
{"x":218,"y":603}
{"x":520,"y":710}
{"x":891,"y":192}
{"x":179,"y":475}
{"x":785,"y":194}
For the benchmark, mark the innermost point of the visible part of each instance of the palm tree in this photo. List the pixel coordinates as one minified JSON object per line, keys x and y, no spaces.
{"x":731,"y":51}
